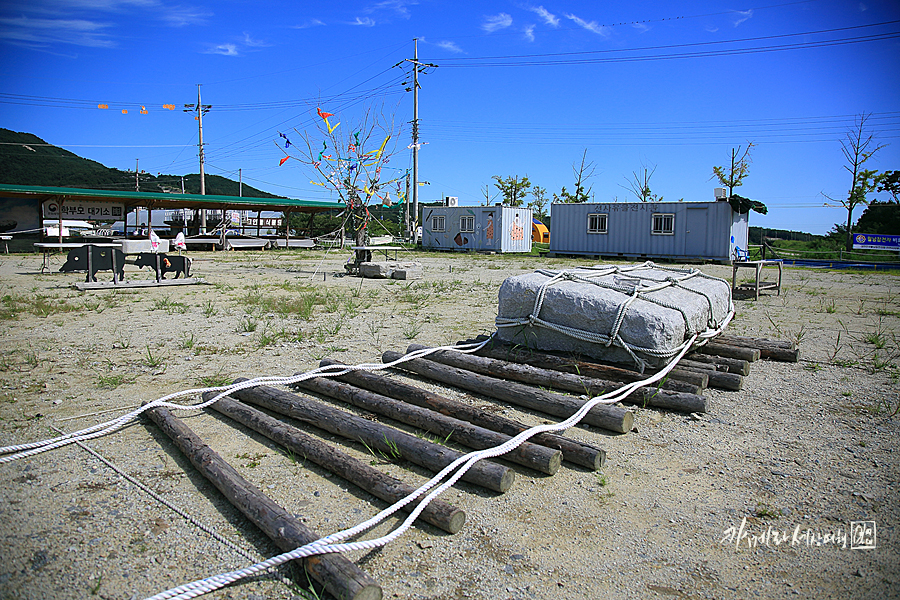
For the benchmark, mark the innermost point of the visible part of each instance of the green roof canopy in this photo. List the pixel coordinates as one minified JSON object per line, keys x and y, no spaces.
{"x":156,"y":200}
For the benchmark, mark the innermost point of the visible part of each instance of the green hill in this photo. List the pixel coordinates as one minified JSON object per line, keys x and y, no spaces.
{"x":26,"y":159}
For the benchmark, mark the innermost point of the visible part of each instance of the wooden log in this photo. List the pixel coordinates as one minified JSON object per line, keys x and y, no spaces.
{"x":770,"y":349}
{"x":713,"y":365}
{"x":548,"y":378}
{"x":748,"y":354}
{"x":613,"y":418}
{"x":734,"y":365}
{"x":381,"y":485}
{"x":340,"y":577}
{"x":718,"y":379}
{"x":378,"y":437}
{"x":533,"y":456}
{"x":573,"y":451}
{"x":754,"y":342}
{"x":544,"y":360}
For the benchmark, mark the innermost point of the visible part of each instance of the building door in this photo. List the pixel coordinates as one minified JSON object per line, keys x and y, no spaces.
{"x":696,"y":232}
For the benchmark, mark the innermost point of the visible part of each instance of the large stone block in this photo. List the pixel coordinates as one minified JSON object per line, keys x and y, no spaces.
{"x":391,"y":270}
{"x":653,"y":324}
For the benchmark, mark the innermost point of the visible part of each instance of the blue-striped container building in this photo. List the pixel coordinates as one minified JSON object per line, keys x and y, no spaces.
{"x":664,"y":230}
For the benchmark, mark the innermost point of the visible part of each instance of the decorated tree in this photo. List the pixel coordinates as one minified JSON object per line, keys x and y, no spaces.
{"x":351,"y":160}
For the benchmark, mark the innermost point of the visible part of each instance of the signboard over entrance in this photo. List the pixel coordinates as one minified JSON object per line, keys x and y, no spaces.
{"x":876,"y":241}
{"x":83,"y":209}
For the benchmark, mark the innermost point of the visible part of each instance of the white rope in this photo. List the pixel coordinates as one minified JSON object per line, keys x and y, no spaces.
{"x":19,"y":451}
{"x":637,"y":290}
{"x":453,"y":471}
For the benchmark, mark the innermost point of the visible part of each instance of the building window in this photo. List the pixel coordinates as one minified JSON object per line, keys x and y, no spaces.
{"x":597,"y":223}
{"x":467,"y":224}
{"x":437,"y":223}
{"x":663,"y":224}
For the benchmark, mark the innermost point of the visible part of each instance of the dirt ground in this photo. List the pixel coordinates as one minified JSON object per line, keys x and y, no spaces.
{"x":769,"y":495}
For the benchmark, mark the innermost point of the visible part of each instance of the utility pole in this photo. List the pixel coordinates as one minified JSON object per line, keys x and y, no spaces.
{"x":415,"y":140}
{"x":406,"y":208}
{"x":137,"y":181}
{"x":201,"y":110}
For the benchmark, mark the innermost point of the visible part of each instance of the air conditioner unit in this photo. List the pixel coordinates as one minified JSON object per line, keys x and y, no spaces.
{"x":721,"y":193}
{"x":451,"y":201}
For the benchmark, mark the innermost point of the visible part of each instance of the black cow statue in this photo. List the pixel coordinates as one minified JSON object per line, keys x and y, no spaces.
{"x":167,"y":264}
{"x":95,"y":258}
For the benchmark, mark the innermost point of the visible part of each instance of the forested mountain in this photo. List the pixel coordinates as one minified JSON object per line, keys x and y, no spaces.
{"x":26,"y":159}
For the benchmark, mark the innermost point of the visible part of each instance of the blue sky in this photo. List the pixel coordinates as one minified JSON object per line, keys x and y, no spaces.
{"x":520,"y":88}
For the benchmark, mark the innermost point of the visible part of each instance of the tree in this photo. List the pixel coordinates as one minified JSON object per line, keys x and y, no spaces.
{"x":889,"y":181}
{"x":349,"y":161}
{"x":539,"y":202}
{"x":733,"y":176}
{"x":513,"y":189}
{"x":880,"y":217}
{"x":858,"y":147}
{"x":640,"y":184}
{"x":583,"y":172}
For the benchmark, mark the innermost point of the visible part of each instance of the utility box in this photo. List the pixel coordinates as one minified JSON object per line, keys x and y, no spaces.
{"x":477,"y":228}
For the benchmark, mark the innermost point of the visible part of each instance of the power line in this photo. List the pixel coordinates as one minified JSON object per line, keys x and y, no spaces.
{"x":608,"y":56}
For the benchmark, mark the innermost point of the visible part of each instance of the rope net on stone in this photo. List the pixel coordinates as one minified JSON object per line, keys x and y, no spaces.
{"x":635,"y":282}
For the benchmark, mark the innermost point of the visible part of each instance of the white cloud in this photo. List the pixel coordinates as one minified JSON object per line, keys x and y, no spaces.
{"x":863,"y":7}
{"x":495,"y":22}
{"x":591,"y":26}
{"x":310,"y":23}
{"x":365,"y":22}
{"x":529,"y":33}
{"x":224,"y":50}
{"x":741,"y":16}
{"x":251,"y":43}
{"x":641,"y":27}
{"x":398,"y":6}
{"x":78,"y":32}
{"x":450,"y":46}
{"x":548,"y":17}
{"x":181,"y":16}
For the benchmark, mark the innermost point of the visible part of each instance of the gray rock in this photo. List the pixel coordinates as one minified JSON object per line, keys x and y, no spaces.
{"x":653,"y":321}
{"x":391,"y":270}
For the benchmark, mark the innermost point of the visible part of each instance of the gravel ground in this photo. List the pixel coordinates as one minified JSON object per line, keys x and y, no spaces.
{"x":682,"y":508}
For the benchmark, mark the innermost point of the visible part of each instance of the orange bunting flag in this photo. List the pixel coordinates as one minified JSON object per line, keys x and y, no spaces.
{"x":324,"y":115}
{"x":143,"y":111}
{"x":103,"y":106}
{"x":169,"y":106}
{"x":283,"y":160}
{"x":124,"y":111}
